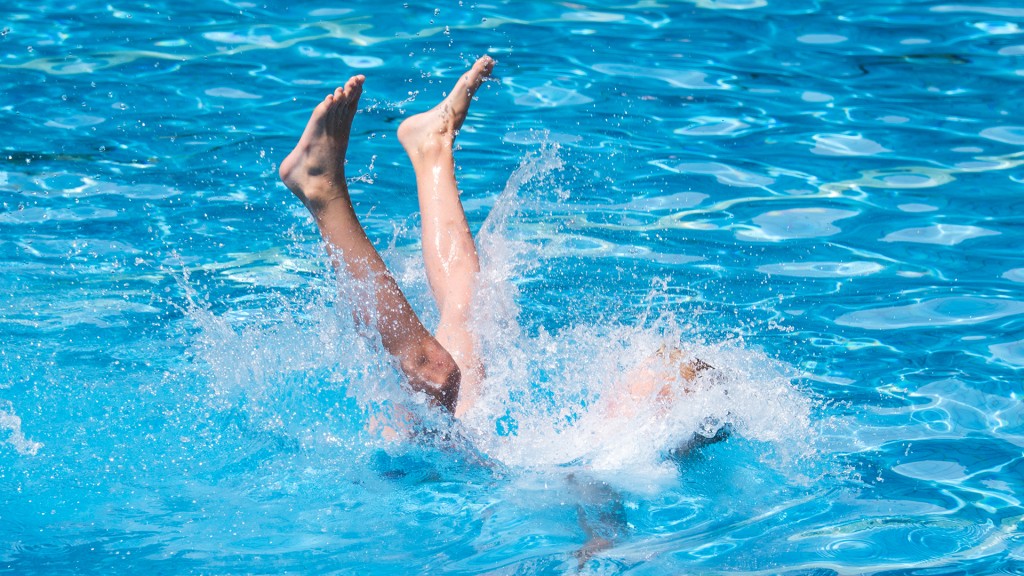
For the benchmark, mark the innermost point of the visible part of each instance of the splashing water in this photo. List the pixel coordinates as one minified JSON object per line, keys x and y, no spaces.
{"x":11,"y":423}
{"x":547,"y":395}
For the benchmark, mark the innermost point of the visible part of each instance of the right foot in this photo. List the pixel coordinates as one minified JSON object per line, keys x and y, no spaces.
{"x":434,"y":131}
{"x":315,"y":170}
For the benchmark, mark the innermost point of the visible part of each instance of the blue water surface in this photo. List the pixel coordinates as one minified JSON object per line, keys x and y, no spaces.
{"x":823,"y":197}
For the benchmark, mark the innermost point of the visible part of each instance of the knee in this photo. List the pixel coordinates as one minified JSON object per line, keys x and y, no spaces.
{"x":436,"y":363}
{"x":432,"y":370}
{"x":443,"y":371}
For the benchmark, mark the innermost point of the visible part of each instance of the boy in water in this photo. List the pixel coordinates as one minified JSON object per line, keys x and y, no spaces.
{"x":444,"y":365}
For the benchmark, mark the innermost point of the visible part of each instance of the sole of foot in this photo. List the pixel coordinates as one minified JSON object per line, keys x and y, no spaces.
{"x":315,"y":169}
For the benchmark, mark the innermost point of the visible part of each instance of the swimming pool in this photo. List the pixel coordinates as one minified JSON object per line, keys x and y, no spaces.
{"x":823,"y":198}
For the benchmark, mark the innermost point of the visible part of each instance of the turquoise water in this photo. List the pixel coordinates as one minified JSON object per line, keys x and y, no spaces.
{"x":822,"y":199}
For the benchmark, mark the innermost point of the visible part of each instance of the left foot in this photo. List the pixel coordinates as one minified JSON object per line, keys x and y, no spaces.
{"x":434,"y":130}
{"x":315,"y":170}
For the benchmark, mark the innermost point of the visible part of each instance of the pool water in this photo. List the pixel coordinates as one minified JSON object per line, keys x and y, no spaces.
{"x":821,"y":199}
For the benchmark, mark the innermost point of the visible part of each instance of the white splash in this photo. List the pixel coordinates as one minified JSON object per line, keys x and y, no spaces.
{"x":549,"y":399}
{"x":10,"y":422}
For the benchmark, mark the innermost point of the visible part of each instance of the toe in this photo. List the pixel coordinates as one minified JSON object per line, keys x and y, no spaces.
{"x":485,"y":64}
{"x":323,"y":105}
{"x":354,"y":86}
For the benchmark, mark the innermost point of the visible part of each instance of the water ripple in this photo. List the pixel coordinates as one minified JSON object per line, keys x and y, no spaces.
{"x":795,"y":223}
{"x":990,"y":10}
{"x":723,"y":173}
{"x":1014,"y":275}
{"x":846,"y":145}
{"x":687,"y":79}
{"x":951,"y":311}
{"x":942,"y":234}
{"x":1010,"y":352}
{"x":1004,"y":134}
{"x":822,"y":269}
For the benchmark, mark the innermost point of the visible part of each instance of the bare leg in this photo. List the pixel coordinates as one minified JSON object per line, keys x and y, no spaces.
{"x":315,"y":172}
{"x":448,"y":250}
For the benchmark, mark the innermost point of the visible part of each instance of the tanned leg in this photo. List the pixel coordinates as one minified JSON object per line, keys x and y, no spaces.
{"x":315,"y":172}
{"x":448,"y":249}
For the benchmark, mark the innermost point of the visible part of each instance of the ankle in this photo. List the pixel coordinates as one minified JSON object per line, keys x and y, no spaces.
{"x":434,"y":147}
{"x":319,"y":193}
